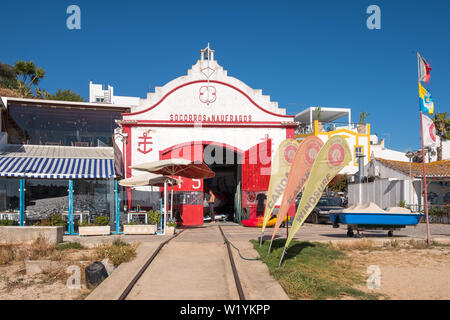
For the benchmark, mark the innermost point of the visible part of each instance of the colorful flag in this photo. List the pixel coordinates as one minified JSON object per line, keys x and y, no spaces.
{"x":426,"y":101}
{"x":429,"y":132}
{"x":424,"y":70}
{"x":331,"y":159}
{"x":298,"y":175}
{"x":279,"y":174}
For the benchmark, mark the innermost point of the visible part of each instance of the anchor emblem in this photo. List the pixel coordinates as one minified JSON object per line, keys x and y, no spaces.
{"x":146,"y":140}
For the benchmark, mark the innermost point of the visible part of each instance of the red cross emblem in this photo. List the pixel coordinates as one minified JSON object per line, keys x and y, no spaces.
{"x":145,"y":140}
{"x":207,"y":94}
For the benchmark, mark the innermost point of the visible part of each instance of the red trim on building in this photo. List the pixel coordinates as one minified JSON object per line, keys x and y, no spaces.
{"x":209,"y":124}
{"x":211,"y":81}
{"x":203,"y":142}
{"x":290,"y":133}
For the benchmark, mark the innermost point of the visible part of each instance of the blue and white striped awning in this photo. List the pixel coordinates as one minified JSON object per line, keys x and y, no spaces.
{"x":56,"y":168}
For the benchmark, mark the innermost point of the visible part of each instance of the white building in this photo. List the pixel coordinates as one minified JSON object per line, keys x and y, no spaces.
{"x":211,"y":116}
{"x":99,"y":95}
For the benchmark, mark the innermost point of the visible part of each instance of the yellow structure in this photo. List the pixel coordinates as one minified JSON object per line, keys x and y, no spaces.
{"x":356,"y":135}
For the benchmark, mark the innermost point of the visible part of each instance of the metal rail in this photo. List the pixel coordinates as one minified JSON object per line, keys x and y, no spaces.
{"x":233,"y":267}
{"x":133,"y":282}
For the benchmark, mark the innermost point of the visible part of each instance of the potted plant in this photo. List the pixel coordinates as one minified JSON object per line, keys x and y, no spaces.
{"x":153,"y":218}
{"x":170,"y":229}
{"x":99,"y":228}
{"x":319,"y":119}
{"x":361,"y":127}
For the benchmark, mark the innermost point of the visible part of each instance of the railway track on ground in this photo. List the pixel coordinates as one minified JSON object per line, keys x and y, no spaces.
{"x":143,"y":269}
{"x":133,"y":282}
{"x":233,"y":266}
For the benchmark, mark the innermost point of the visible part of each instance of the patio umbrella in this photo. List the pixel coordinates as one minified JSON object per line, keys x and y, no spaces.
{"x":150,"y":179}
{"x":177,"y":167}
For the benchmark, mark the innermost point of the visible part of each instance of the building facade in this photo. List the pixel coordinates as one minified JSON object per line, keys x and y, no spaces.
{"x":388,"y":183}
{"x":210,"y":116}
{"x":327,"y":122}
{"x":57,"y":157}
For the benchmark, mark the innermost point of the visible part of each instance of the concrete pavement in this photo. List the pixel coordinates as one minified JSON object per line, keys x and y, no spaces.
{"x":193,"y":266}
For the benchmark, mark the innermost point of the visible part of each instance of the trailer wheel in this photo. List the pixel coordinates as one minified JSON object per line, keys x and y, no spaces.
{"x":390,"y":233}
{"x":350,"y":233}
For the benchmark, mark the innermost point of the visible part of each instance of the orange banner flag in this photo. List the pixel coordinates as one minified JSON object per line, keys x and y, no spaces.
{"x":279,"y":173}
{"x":298,"y":175}
{"x":330,"y":160}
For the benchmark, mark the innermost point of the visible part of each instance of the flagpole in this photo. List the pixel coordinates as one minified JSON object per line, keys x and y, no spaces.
{"x":425,"y":181}
{"x":423,"y":160}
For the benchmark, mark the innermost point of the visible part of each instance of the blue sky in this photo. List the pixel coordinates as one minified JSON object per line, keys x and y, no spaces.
{"x":302,"y":53}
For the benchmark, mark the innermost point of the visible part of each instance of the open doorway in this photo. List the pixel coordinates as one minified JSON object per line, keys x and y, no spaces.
{"x":225,"y":163}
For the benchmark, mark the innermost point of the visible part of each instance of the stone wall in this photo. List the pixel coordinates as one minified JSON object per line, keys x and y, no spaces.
{"x":30,"y":233}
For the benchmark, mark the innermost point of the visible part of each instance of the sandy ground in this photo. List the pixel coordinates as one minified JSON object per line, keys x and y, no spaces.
{"x":408,"y":274}
{"x":15,"y":284}
{"x":405,"y":273}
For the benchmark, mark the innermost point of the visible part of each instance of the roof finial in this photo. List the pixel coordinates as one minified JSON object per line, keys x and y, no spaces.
{"x":209,"y":54}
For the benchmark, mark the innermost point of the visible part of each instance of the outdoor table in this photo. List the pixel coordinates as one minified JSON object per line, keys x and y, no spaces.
{"x":132,"y":213}
{"x":9,"y":215}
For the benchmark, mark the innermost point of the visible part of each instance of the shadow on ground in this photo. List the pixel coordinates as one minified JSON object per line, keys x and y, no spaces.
{"x":293,"y":250}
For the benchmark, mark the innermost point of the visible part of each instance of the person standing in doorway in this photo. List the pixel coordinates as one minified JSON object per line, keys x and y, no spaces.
{"x":211,"y":200}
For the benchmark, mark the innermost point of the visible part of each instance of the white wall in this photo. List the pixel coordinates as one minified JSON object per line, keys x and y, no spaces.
{"x":97,"y":91}
{"x":385,"y":193}
{"x":380,"y":151}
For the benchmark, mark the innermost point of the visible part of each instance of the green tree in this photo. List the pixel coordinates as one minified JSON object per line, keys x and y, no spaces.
{"x":362,"y":117}
{"x":67,"y":95}
{"x":28,"y":74}
{"x":7,"y":76}
{"x":319,"y":114}
{"x":442,"y":125}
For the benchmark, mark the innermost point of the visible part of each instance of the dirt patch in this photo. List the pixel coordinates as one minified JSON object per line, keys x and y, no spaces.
{"x":15,"y":284}
{"x":56,"y":283}
{"x":407,"y":273}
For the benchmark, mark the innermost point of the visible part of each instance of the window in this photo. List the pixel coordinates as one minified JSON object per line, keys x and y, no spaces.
{"x":60,"y":126}
{"x":358,"y":151}
{"x":45,"y":197}
{"x":9,"y":194}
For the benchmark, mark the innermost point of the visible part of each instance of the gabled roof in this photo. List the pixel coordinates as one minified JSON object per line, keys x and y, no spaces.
{"x":437,"y":169}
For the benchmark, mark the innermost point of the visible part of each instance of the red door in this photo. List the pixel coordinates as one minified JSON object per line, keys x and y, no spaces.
{"x":256,"y":168}
{"x":188,"y":197}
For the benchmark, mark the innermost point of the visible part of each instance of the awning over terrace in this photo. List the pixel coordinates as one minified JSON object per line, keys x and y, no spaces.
{"x":56,"y":162}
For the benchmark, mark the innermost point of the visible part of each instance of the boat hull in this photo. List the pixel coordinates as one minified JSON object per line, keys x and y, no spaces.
{"x":391,"y":219}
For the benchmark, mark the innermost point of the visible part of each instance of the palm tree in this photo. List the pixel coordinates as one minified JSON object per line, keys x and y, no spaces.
{"x":442,"y":125}
{"x":362,"y":117}
{"x":362,"y":122}
{"x":28,"y":73}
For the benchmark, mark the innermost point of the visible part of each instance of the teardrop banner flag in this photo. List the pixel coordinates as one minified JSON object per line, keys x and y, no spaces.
{"x":278,"y":177}
{"x":331,"y":159}
{"x":298,"y":176}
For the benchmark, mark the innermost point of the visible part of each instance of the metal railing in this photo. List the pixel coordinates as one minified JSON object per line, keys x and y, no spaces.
{"x":437,"y":213}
